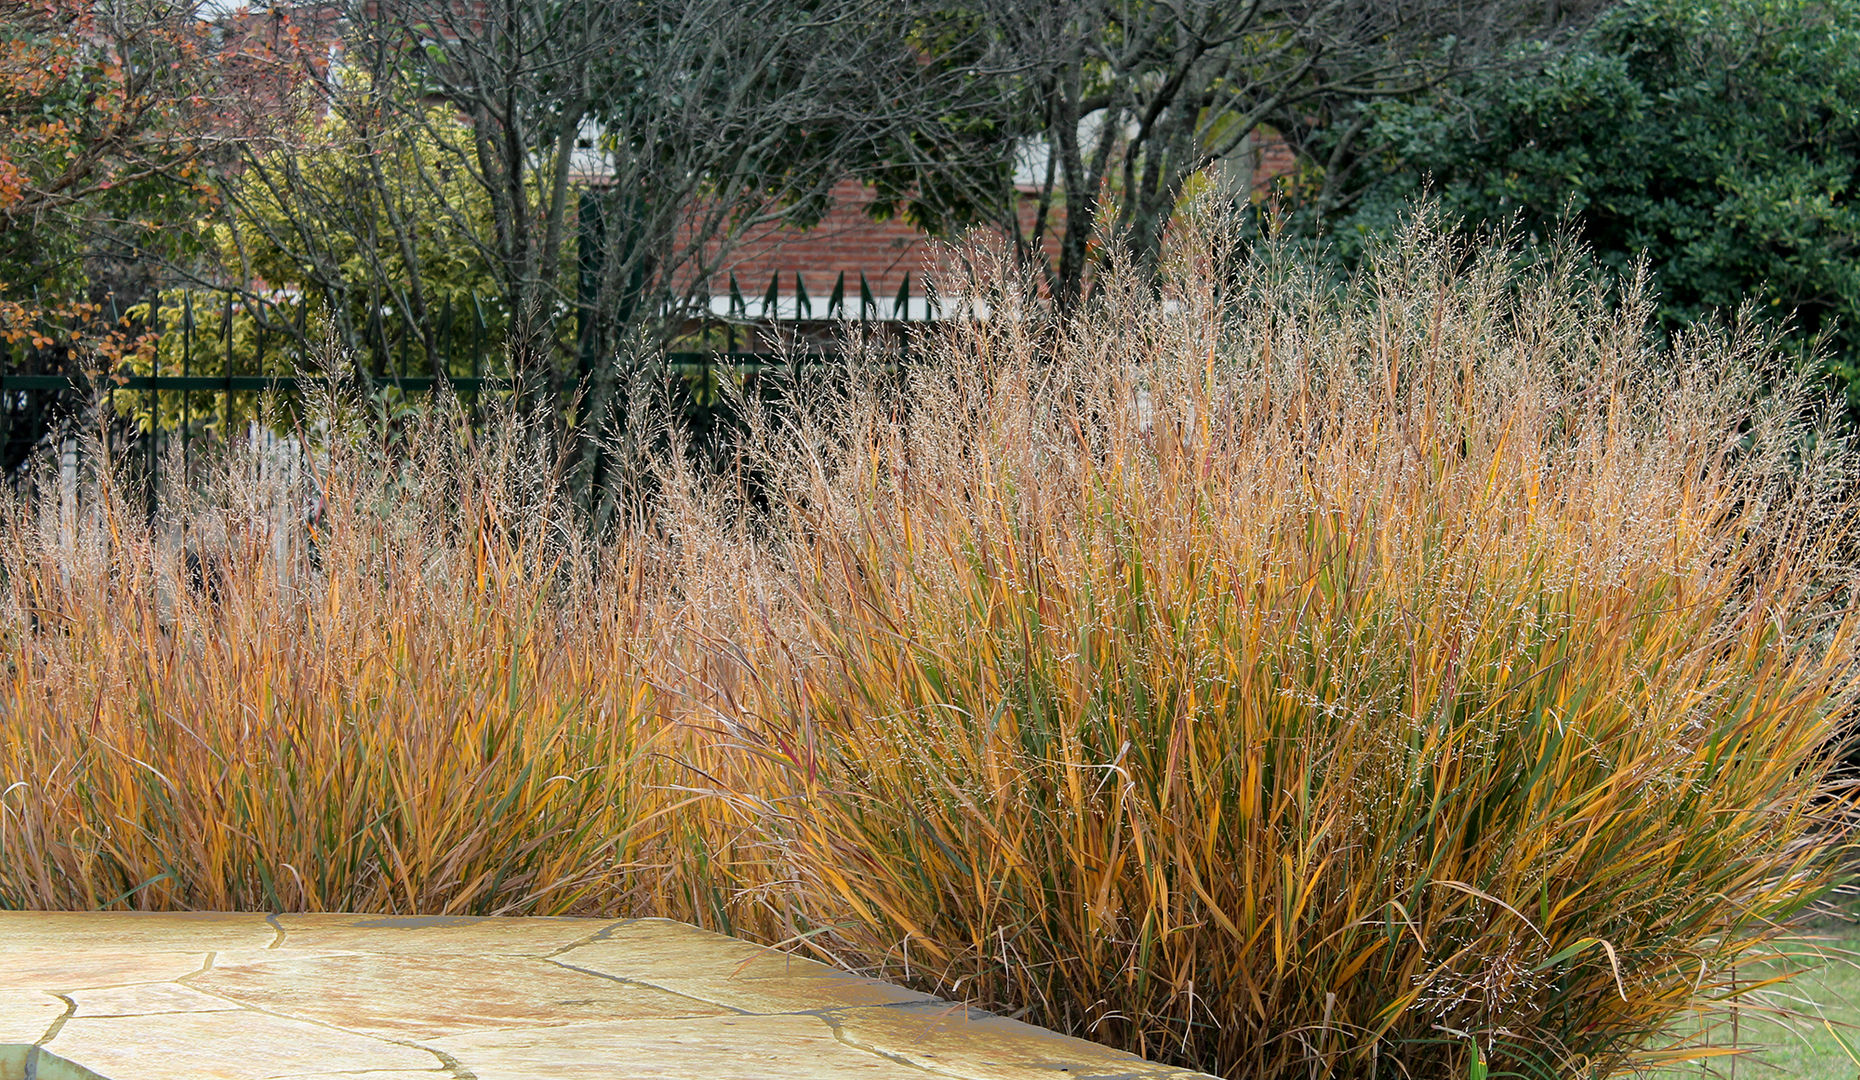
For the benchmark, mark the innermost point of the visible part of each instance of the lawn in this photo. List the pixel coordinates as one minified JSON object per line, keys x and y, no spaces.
{"x":1809,"y":1050}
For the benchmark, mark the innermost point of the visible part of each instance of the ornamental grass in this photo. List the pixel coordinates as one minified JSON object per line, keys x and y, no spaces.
{"x":1269,"y":676}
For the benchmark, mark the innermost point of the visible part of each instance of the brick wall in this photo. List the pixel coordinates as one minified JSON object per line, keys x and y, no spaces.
{"x":848,"y":241}
{"x":845,"y":240}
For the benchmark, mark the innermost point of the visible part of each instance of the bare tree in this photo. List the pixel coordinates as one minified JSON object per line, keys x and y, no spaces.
{"x":591,"y":163}
{"x":599,"y":160}
{"x":1122,"y":101}
{"x":594,"y":163}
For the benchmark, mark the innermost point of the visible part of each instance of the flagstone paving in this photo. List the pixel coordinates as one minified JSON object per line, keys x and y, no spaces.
{"x":136,"y":996}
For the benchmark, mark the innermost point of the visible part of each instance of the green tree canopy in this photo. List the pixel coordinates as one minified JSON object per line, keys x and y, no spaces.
{"x":1720,"y":140}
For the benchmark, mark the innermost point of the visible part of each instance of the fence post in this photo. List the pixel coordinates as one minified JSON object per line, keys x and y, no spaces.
{"x":739,"y":309}
{"x":109,"y":421}
{"x":6,"y":411}
{"x":477,"y":345}
{"x":303,"y":328}
{"x":376,"y":340}
{"x":226,"y":339}
{"x":404,"y":335}
{"x":187,"y":371}
{"x":153,"y":399}
{"x":901,"y":311}
{"x":441,"y":361}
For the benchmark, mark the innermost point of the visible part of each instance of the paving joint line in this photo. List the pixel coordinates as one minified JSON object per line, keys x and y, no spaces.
{"x":840,"y":1036}
{"x":624,"y":981}
{"x":603,"y":934}
{"x":57,"y":1025}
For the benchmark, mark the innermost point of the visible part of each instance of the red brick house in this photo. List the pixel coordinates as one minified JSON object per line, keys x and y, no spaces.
{"x":852,"y":266}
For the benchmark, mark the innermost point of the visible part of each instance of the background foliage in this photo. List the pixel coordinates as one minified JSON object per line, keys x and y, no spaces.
{"x":1720,"y":141}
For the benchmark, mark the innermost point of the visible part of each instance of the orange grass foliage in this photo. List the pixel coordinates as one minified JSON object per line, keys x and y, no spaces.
{"x":413,"y":704}
{"x":1266,"y":679}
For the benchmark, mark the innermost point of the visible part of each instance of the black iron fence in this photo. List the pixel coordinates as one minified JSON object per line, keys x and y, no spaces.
{"x":203,"y":366}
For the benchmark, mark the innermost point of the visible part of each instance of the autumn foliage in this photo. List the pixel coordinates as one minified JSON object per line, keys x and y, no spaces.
{"x":113,"y":120}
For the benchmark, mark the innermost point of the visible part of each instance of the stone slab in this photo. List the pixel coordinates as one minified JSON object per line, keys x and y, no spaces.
{"x":141,"y":932}
{"x":713,"y":1048}
{"x":130,"y":996}
{"x":26,"y":1016}
{"x":144,"y":999}
{"x":734,"y":974}
{"x":394,"y":995}
{"x":954,"y":1041}
{"x":242,"y":1045}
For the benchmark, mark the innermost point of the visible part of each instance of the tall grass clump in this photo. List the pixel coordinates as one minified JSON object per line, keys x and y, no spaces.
{"x":372,"y":677}
{"x":1290,"y":682}
{"x":1275,"y":678}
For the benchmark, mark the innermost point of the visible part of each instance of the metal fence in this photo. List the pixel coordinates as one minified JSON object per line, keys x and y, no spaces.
{"x":47,"y":393}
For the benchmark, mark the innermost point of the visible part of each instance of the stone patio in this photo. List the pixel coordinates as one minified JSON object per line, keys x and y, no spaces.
{"x":124,"y":996}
